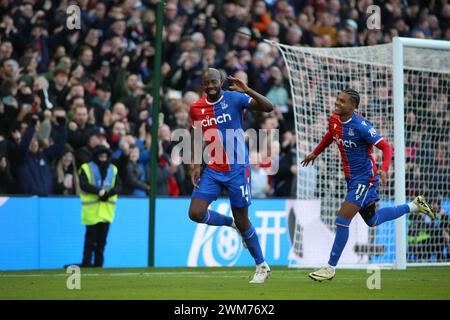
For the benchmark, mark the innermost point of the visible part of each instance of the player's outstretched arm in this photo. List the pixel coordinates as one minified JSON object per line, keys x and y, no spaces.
{"x":326,"y":141}
{"x":308,"y":159}
{"x":259,"y":102}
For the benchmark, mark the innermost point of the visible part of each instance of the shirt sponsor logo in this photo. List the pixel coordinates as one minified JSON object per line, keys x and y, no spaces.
{"x":345,"y":143}
{"x":207,"y":122}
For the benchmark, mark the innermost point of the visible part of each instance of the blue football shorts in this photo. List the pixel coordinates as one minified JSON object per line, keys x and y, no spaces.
{"x":236,"y":182}
{"x":361,"y":192}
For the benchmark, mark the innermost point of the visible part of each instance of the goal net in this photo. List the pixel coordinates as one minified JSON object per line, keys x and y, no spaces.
{"x":316,"y":76}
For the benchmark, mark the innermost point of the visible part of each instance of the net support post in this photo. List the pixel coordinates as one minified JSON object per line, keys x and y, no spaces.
{"x":399,"y":152}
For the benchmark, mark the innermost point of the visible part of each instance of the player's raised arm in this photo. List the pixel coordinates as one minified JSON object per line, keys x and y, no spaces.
{"x":326,"y":141}
{"x":258,"y":103}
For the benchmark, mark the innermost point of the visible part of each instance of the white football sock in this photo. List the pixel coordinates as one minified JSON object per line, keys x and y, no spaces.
{"x":412,"y":207}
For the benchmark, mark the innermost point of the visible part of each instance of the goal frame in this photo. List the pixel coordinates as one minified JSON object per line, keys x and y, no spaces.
{"x":398,"y":44}
{"x":399,"y":193}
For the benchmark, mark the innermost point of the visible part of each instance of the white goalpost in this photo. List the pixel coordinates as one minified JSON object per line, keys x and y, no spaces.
{"x":405,"y":89}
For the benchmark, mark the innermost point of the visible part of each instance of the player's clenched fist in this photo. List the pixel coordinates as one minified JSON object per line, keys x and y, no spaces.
{"x":195,"y":174}
{"x":309,"y":159}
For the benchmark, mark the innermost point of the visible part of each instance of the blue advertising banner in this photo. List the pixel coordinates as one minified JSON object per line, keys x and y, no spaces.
{"x":182,"y":242}
{"x":46,"y":233}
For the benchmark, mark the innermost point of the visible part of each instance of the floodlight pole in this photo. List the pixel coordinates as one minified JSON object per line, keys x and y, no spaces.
{"x":155,"y":126}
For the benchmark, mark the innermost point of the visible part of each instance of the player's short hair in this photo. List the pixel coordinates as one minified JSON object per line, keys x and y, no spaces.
{"x":354,"y":95}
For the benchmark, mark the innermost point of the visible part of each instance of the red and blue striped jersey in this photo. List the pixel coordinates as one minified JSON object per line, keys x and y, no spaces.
{"x":355,"y":139}
{"x":222,"y":127}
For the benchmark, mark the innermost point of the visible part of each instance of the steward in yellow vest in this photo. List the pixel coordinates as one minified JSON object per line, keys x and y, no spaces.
{"x":98,"y":201}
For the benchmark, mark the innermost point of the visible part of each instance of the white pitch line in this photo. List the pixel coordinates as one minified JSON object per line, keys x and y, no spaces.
{"x":127,"y":274}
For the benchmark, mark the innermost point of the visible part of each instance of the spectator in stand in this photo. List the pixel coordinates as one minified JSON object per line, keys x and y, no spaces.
{"x":440,"y":235}
{"x":287,"y":167}
{"x":119,"y":113}
{"x":66,"y":175}
{"x":118,"y":132}
{"x":7,"y":180}
{"x":222,"y":47}
{"x":107,"y":67}
{"x":79,"y":125}
{"x":101,"y":102}
{"x":58,"y":87}
{"x":35,"y":174}
{"x":136,"y":176}
{"x":260,"y":17}
{"x":6,"y":47}
{"x":278,"y":94}
{"x":260,"y":181}
{"x":94,"y":136}
{"x":76,"y":91}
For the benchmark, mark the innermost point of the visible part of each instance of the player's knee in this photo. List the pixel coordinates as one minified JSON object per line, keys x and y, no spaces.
{"x":368,"y":214}
{"x":342,"y":221}
{"x":242,"y":224}
{"x":370,"y":223}
{"x":196,"y":215}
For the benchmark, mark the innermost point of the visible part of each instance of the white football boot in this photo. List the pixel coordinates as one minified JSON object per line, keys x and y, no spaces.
{"x":262,"y":273}
{"x":324,"y":273}
{"x":424,"y":207}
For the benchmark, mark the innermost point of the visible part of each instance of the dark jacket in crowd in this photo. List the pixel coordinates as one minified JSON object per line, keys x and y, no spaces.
{"x":283,"y":178}
{"x":7,"y":181}
{"x":135,"y":179}
{"x":35,"y":172}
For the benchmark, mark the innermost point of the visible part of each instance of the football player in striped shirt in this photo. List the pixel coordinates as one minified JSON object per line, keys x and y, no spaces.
{"x":217,"y":114}
{"x":355,"y":138}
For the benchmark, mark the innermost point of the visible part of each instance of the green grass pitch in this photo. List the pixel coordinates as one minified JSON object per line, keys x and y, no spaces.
{"x":224,"y":284}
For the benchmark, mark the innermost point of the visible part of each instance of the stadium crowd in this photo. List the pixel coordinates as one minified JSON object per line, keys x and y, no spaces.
{"x":63,"y":92}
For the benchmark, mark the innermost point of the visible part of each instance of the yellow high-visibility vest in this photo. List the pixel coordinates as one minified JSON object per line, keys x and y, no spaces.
{"x":93,"y":210}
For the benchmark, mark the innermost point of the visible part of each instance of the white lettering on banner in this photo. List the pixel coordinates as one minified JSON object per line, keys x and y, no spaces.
{"x":276,"y":230}
{"x":215,"y":246}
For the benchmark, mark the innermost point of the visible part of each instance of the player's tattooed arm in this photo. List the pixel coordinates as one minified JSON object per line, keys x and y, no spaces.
{"x":259,"y":102}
